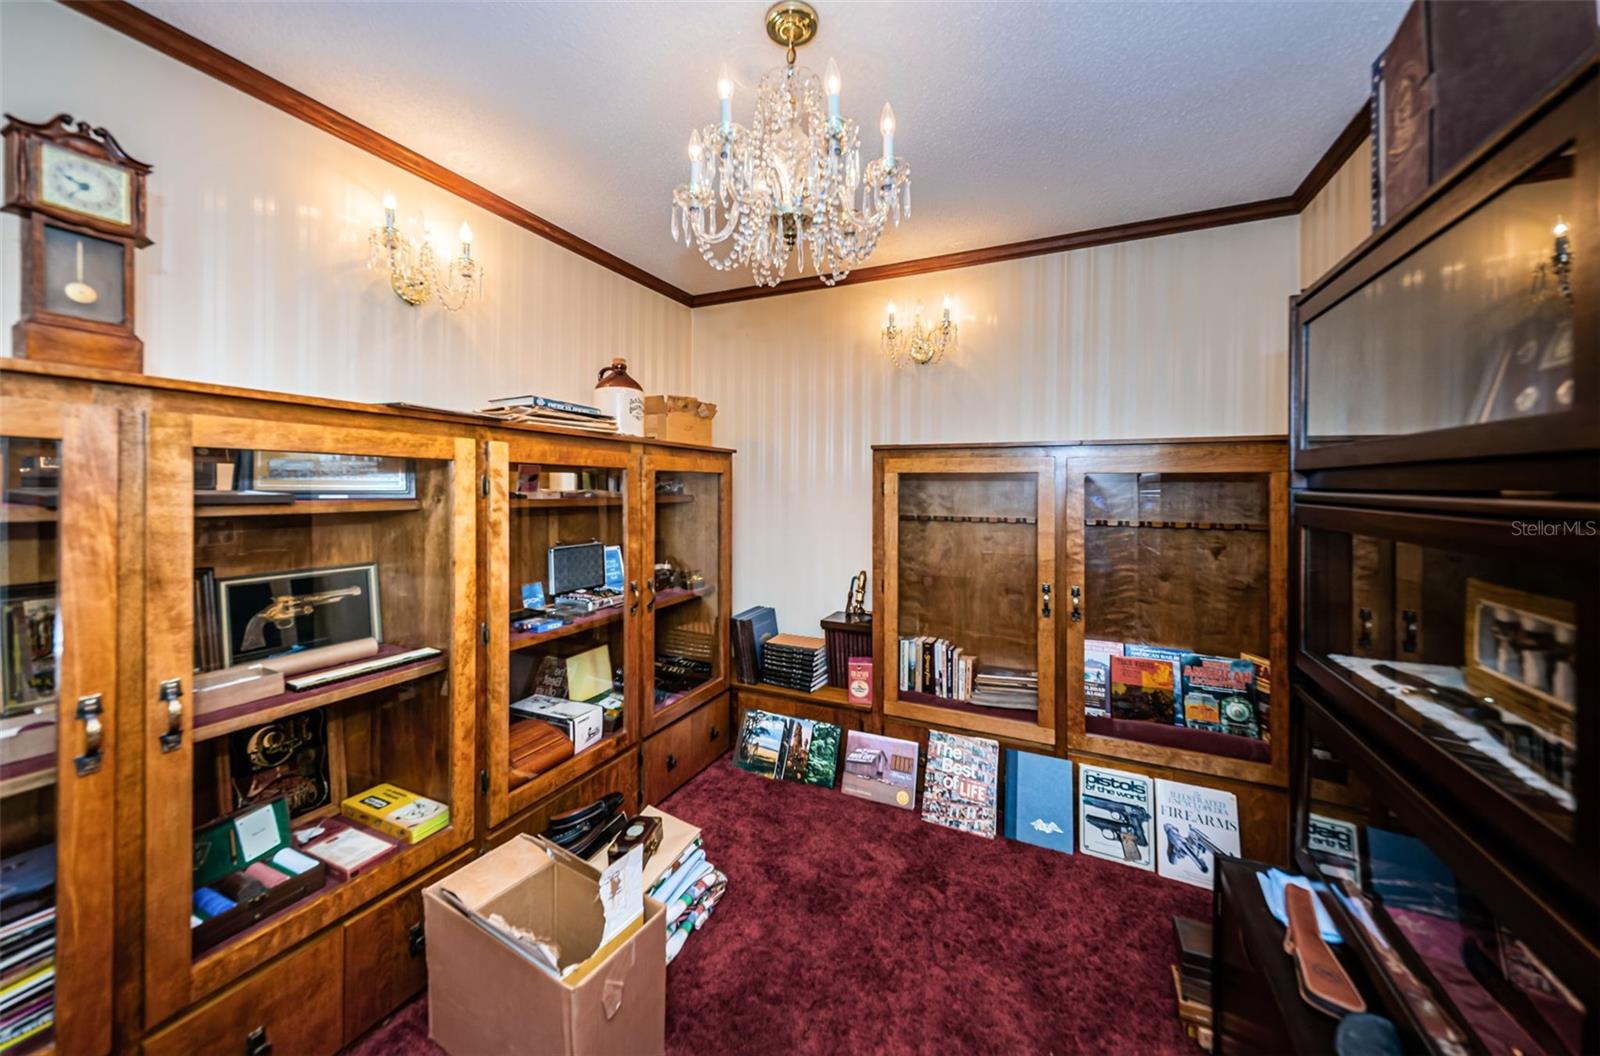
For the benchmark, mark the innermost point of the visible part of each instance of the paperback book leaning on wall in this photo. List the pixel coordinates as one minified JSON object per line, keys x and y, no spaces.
{"x":1194,"y":824}
{"x":1116,"y":812}
{"x":961,"y":783}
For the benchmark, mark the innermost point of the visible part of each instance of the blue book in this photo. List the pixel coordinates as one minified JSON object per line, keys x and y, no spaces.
{"x":1038,"y":800}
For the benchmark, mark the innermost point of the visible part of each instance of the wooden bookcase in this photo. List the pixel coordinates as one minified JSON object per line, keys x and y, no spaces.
{"x":1022,"y":553}
{"x":450,"y":561}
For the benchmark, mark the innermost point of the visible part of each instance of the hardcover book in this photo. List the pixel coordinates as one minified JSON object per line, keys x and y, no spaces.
{"x":1169,"y":656}
{"x":960,"y":784}
{"x":1142,"y":688}
{"x":1219,"y":694}
{"x":1116,"y":815}
{"x":789,"y":749}
{"x":859,"y":684}
{"x":1097,"y":654}
{"x":1038,"y":805}
{"x":1193,"y":825}
{"x":883,"y":769}
{"x":392,"y":810}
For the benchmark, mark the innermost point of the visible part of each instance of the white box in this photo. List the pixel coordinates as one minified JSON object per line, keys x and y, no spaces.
{"x":582,"y":723}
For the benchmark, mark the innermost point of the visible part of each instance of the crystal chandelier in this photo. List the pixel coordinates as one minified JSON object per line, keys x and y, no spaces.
{"x":414,"y":274}
{"x":793,"y":181}
{"x":923,"y":346}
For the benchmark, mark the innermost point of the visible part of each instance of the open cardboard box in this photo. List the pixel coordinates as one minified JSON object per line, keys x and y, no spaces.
{"x":485,"y":999}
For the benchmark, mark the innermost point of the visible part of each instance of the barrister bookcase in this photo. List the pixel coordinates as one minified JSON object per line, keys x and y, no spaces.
{"x":1037,"y":558}
{"x":117,"y":548}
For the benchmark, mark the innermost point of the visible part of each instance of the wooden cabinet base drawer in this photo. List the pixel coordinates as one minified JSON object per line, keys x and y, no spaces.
{"x":384,"y":954}
{"x":293,"y":1006}
{"x":685,"y":748}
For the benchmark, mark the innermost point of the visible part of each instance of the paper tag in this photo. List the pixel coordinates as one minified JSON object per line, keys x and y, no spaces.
{"x":622,"y":892}
{"x":258,"y":833}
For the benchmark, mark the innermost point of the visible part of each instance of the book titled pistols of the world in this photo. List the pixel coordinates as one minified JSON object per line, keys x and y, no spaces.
{"x":1116,"y":814}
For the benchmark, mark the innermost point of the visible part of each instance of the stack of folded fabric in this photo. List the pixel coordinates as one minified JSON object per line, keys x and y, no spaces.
{"x":690,"y":889}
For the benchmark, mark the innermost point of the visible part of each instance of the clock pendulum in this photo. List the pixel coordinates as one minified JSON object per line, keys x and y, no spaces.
{"x":79,"y":291}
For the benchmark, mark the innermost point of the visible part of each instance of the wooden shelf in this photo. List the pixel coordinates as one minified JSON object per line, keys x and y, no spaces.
{"x":23,"y":777}
{"x":666,"y":599}
{"x":230,"y":720}
{"x":827,"y":696}
{"x":304,"y":507}
{"x":590,"y":502}
{"x":25,"y":513}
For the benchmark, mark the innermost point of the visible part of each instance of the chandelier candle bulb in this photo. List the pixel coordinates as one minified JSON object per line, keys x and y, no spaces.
{"x":725,"y":94}
{"x":695,"y":149}
{"x":830,"y":81}
{"x":886,"y":126}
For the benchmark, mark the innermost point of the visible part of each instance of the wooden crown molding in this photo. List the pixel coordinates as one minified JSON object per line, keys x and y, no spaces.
{"x":1266,"y":209}
{"x":191,"y":51}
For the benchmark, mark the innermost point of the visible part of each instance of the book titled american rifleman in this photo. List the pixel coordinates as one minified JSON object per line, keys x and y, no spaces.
{"x":1116,"y":814}
{"x":960,"y":783}
{"x":1194,"y":824}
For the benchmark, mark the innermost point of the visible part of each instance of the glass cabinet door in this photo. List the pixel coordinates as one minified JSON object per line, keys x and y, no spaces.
{"x":1173,"y":622}
{"x":311,"y":668}
{"x":58,"y":628}
{"x":564,"y":599}
{"x":969,"y":591}
{"x":1458,"y":641}
{"x":687,"y":606}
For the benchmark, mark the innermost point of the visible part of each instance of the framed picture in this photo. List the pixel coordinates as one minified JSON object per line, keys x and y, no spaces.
{"x":309,"y":475}
{"x":1521,"y":649}
{"x":265,"y":615}
{"x":28,"y":646}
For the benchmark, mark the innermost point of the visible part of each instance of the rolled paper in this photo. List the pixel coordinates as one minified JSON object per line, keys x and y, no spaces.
{"x":211,"y":903}
{"x":322,"y":656}
{"x":294,"y":861}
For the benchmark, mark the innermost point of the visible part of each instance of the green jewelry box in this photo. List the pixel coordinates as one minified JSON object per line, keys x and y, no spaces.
{"x":228,"y":898}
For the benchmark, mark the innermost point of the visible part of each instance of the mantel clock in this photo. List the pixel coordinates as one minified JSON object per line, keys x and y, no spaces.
{"x":82,"y":199}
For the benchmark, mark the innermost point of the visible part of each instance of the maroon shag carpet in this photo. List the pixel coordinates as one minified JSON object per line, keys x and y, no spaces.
{"x":853,"y":927}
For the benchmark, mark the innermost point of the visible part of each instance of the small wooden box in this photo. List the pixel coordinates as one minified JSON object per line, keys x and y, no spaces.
{"x":846,"y":637}
{"x":682,"y":419}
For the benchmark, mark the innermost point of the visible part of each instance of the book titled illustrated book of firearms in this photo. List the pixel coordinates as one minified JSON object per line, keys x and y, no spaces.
{"x":960,"y":786}
{"x":1116,"y":814}
{"x":1143,"y":689}
{"x":1194,"y":824}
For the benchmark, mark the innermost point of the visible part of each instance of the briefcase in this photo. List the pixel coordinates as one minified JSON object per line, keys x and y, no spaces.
{"x":536,"y":747}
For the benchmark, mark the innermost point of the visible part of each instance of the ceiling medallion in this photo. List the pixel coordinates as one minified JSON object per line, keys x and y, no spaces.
{"x":793,"y":181}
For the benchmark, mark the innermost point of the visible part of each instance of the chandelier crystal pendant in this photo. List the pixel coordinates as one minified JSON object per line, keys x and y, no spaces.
{"x":791,"y":184}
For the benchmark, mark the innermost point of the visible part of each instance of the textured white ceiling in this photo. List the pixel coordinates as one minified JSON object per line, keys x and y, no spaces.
{"x":1019,"y":119}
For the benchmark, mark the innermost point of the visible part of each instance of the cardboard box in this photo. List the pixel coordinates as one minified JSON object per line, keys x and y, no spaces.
{"x":683,"y":419}
{"x":485,"y":999}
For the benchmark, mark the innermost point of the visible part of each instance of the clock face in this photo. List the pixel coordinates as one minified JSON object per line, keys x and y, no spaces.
{"x":84,"y":185}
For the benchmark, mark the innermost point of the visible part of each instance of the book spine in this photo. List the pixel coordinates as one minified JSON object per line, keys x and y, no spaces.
{"x":382,"y":824}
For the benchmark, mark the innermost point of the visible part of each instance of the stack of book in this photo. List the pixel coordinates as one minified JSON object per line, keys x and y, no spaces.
{"x":751,"y":629}
{"x":1004,"y":687}
{"x":937,"y":666}
{"x":1191,"y":977}
{"x":542,"y":410}
{"x":27,"y":947}
{"x":795,"y":661}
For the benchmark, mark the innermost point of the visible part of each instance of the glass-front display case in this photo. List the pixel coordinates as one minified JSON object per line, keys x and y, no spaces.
{"x":1461,"y":333}
{"x":565,"y":606}
{"x":58,"y":531}
{"x":686,"y":606}
{"x":1460,"y":963}
{"x":968,"y":593}
{"x":1459,"y":640}
{"x":1174,"y":615}
{"x":312,"y":677}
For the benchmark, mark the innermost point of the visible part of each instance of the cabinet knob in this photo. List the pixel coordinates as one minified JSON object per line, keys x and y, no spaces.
{"x":1409,"y":618}
{"x":1365,"y":616}
{"x":715,"y":733}
{"x":417,"y":940}
{"x":672,"y":761}
{"x":256,"y":1043}
{"x":89,"y":712}
{"x":172,"y":695}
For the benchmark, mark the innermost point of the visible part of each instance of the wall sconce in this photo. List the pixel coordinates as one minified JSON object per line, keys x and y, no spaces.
{"x":919,"y":345}
{"x":414,"y":274}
